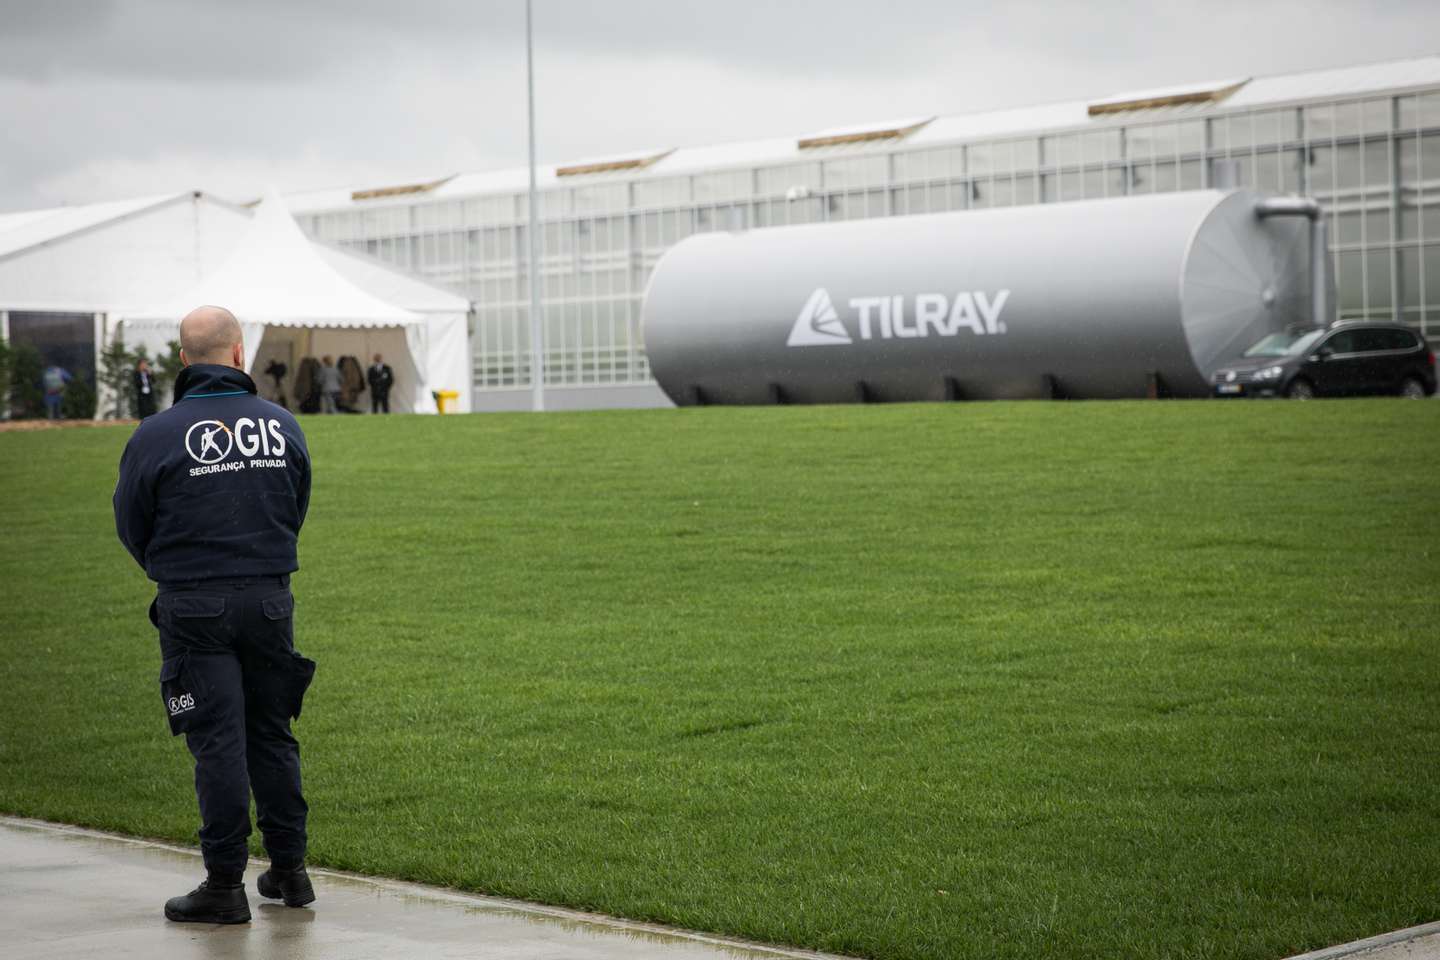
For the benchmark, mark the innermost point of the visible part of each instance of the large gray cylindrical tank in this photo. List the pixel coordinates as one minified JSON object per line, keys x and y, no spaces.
{"x":1096,"y":298}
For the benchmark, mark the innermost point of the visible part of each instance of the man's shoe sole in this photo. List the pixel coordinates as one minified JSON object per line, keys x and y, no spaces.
{"x":231,"y":917}
{"x":273,"y":892}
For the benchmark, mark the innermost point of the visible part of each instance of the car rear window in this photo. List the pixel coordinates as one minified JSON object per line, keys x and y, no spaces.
{"x":1372,"y":341}
{"x":1369,"y":341}
{"x":1398,"y":339}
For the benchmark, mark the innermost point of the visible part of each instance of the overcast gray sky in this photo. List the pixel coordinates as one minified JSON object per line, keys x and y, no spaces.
{"x":104,"y":99}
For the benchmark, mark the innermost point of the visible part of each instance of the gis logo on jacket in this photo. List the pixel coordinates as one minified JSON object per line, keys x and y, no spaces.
{"x":210,"y":443}
{"x":201,"y":442}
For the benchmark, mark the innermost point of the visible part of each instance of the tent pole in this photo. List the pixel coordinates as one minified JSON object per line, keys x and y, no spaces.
{"x":537,"y":329}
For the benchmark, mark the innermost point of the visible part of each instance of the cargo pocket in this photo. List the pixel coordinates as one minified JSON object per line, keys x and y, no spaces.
{"x":279,"y":607}
{"x":195,"y":621}
{"x":184,"y":701}
{"x":302,"y":671}
{"x":279,"y":610}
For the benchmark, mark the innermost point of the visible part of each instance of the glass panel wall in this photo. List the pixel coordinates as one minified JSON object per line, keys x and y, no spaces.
{"x":64,"y":339}
{"x":1373,"y":163}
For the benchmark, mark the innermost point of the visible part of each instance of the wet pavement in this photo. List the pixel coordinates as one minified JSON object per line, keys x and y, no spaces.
{"x":71,"y":893}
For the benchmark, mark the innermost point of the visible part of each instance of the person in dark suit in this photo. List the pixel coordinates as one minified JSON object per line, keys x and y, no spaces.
{"x":144,"y":383}
{"x":380,"y":377}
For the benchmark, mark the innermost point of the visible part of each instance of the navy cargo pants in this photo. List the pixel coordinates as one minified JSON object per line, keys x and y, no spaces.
{"x":231,"y":681}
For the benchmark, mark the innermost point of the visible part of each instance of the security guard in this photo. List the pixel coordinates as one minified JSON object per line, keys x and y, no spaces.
{"x":211,"y":496}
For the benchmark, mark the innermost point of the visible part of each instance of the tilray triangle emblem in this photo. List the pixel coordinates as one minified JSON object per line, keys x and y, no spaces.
{"x":817,"y":324}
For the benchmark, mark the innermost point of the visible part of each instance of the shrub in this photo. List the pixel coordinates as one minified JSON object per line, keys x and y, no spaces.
{"x":168,"y":367}
{"x":4,"y":379}
{"x":79,"y":400}
{"x":27,"y":396}
{"x":114,"y":377}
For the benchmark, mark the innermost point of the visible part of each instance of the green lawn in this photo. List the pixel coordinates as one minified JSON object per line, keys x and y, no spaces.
{"x":1009,"y":680}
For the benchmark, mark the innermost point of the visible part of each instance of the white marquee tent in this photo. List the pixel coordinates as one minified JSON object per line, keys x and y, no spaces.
{"x":298,"y":299}
{"x":71,"y":272}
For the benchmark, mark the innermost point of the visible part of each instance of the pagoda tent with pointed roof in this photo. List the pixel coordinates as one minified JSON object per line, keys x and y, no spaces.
{"x":296,"y":299}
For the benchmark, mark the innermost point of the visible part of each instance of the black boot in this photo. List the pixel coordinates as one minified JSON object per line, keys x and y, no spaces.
{"x":211,"y":902}
{"x":293,"y":886}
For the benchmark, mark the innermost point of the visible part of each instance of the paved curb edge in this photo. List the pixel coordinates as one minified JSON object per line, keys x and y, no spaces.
{"x":455,"y":896}
{"x":1370,"y":943}
{"x":1353,"y":948}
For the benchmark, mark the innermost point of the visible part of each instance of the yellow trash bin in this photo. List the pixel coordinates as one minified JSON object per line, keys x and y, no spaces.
{"x":445,"y":397}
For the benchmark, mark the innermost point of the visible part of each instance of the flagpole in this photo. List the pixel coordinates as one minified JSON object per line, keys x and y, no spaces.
{"x":537,"y":327}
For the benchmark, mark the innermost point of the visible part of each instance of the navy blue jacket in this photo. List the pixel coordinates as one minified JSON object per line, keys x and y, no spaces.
{"x":216,"y":486}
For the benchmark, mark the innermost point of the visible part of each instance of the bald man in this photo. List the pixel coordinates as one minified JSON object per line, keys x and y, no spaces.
{"x":210,"y":500}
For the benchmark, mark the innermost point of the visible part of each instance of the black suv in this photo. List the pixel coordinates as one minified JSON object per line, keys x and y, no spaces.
{"x":1350,"y":359}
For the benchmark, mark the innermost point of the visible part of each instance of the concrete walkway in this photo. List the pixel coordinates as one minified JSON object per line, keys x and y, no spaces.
{"x":72,"y":893}
{"x":1415,"y":943}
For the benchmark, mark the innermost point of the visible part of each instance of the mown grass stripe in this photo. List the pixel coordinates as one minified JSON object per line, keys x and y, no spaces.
{"x":1000,"y":680}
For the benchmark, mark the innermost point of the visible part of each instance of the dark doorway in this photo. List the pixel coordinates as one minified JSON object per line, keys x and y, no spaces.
{"x":67,"y":339}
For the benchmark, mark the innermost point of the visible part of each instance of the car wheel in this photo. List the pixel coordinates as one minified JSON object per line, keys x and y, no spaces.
{"x":1300,"y":390}
{"x":1412,"y":389}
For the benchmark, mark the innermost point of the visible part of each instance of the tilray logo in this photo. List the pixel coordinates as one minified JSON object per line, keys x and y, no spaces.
{"x":817,"y":323}
{"x":887,"y":318}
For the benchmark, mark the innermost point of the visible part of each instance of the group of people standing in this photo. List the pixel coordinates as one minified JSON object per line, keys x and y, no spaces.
{"x":332,"y":382}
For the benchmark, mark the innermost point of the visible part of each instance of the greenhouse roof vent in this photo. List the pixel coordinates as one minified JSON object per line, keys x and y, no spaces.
{"x":612,"y":164}
{"x":842,"y":135}
{"x":1167,"y":97}
{"x":377,"y":193}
